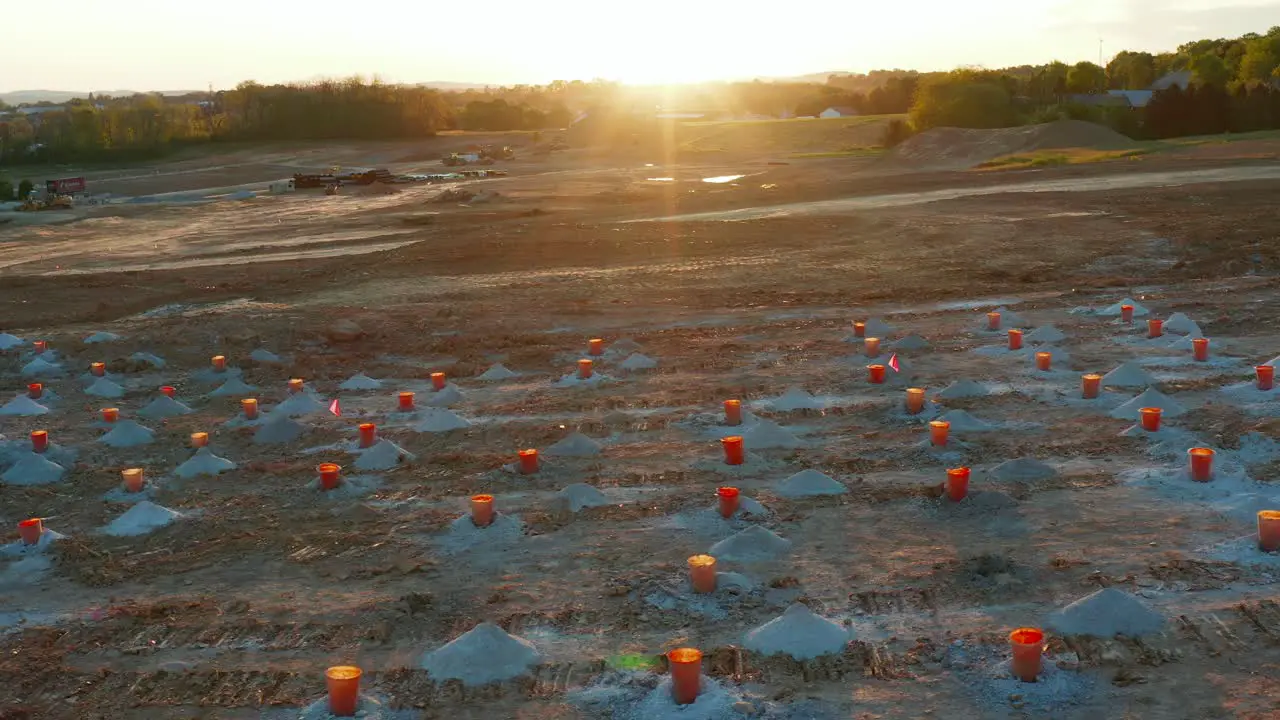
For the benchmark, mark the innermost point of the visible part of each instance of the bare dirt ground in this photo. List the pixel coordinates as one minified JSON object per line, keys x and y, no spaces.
{"x":234,"y":611}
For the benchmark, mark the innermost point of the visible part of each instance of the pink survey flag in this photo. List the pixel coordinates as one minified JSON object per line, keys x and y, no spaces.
{"x":893,"y":362}
{"x":334,"y":408}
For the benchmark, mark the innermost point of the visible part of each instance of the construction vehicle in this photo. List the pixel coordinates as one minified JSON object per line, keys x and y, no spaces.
{"x":503,"y":153}
{"x":57,"y":202}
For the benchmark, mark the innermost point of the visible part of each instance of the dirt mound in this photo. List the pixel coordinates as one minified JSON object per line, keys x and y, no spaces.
{"x":958,"y":148}
{"x":376,"y":188}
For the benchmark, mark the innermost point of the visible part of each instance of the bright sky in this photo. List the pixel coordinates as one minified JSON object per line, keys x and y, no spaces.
{"x":169,"y":45}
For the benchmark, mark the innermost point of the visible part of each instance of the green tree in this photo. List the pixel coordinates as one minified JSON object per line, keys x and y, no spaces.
{"x":963,"y":98}
{"x":24,"y":189}
{"x":6,"y":190}
{"x":1131,"y":71}
{"x":1209,"y":70}
{"x":1261,"y":58}
{"x":1085,"y":77}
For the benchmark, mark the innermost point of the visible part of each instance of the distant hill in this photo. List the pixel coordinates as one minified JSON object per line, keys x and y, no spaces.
{"x":57,"y":97}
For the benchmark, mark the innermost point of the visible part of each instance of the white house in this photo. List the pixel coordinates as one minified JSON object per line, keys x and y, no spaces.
{"x":835,"y":112}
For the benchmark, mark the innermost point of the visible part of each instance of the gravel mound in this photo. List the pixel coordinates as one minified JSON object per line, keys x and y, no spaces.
{"x":767,"y":434}
{"x":1022,"y":469}
{"x":809,"y":483}
{"x":575,"y":444}
{"x":1106,"y":613}
{"x":141,"y":519}
{"x":1149,"y":398}
{"x":497,"y":372}
{"x":795,"y":399}
{"x":1128,"y":375}
{"x":753,"y":544}
{"x":164,"y":407}
{"x":581,"y":495}
{"x":964,"y":389}
{"x":482,"y":655}
{"x":800,"y":633}
{"x":440,"y":420}
{"x":360,"y":381}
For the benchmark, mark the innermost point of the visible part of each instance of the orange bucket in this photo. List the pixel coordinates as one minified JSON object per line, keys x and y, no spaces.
{"x":859,"y":329}
{"x":993,"y":321}
{"x":686,"y":674}
{"x":1015,"y":339}
{"x":35,"y":390}
{"x":1044,"y":361}
{"x":30,"y":530}
{"x":1201,"y":464}
{"x":875,"y":374}
{"x":729,"y":499}
{"x":702,"y":573}
{"x":1150,"y":419}
{"x":481,"y":510}
{"x":368,"y":435}
{"x":1155,"y":328}
{"x":98,"y":369}
{"x":1028,"y":648}
{"x":438,"y":381}
{"x":595,"y":346}
{"x":199,"y":440}
{"x":733,"y":450}
{"x":1266,"y":377}
{"x":1200,"y":349}
{"x":938,"y":431}
{"x":330,"y":475}
{"x":343,"y":683}
{"x":39,"y":441}
{"x":871,"y":347}
{"x":732,"y":413}
{"x":249,"y":406}
{"x":1126,"y":313}
{"x":168,"y":391}
{"x":1269,"y":530}
{"x":957,"y":483}
{"x":110,"y":415}
{"x":915,"y":400}
{"x":296,"y":385}
{"x":528,"y":461}
{"x":133,"y":480}
{"x":1090,"y":386}
{"x":406,"y":401}
{"x":584,"y":369}
{"x":219,"y":363}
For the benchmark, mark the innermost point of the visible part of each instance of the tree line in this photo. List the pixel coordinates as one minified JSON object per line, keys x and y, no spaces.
{"x":1231,"y":85}
{"x":1234,"y":84}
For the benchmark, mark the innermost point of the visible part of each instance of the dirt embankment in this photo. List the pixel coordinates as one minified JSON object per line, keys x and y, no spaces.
{"x":959,"y":148}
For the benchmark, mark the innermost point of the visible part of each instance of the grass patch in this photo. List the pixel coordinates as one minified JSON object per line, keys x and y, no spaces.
{"x":1064,"y":156}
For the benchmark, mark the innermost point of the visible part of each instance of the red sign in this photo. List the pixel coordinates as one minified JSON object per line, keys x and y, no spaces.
{"x":66,"y":186}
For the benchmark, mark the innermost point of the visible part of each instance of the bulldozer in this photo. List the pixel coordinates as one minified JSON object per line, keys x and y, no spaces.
{"x":57,"y":202}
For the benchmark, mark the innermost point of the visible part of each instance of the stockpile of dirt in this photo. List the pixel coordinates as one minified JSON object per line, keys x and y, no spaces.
{"x":958,"y":148}
{"x":376,"y":188}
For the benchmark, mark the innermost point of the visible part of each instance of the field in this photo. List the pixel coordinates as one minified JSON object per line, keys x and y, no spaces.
{"x":738,"y":268}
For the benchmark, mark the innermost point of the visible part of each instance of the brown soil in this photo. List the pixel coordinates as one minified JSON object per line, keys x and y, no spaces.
{"x":236,"y":611}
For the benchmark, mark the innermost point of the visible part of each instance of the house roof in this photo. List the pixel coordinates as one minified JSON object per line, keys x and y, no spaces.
{"x":1136,"y":98}
{"x":843,"y":109}
{"x":1181,"y":78}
